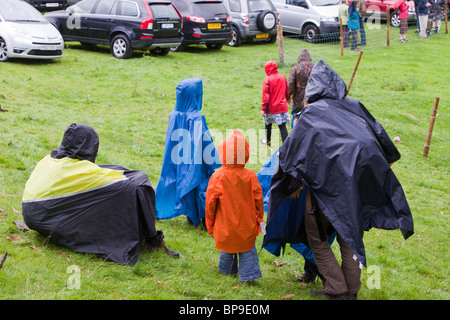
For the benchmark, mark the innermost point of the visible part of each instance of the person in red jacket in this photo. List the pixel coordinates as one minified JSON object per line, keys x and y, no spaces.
{"x":275,"y":100}
{"x":235,"y":210}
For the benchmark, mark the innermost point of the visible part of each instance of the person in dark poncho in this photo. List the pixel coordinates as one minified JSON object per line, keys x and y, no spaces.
{"x":342,"y":156}
{"x":102,"y":209}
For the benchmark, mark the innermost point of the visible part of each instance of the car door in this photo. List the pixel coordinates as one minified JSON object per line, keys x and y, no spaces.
{"x":76,"y":27}
{"x":102,"y":21}
{"x":292,"y":14}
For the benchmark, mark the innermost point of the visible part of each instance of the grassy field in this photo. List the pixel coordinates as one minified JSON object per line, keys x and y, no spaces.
{"x":128,"y":102}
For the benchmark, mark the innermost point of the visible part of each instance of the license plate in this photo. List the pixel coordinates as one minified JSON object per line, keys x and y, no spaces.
{"x":214,"y":26}
{"x":262,"y":35}
{"x":47,"y":47}
{"x":51,"y":5}
{"x":166,"y":25}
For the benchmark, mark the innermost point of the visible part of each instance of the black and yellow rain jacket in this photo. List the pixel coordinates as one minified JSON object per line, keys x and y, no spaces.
{"x":102,"y":209}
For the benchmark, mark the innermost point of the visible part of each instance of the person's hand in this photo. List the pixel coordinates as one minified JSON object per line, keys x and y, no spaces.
{"x":263,"y":113}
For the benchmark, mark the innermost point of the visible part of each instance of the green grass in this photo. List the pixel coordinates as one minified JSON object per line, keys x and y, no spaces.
{"x":128,"y":102}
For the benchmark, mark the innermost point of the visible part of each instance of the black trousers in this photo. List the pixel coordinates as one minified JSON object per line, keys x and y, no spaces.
{"x":283,"y":132}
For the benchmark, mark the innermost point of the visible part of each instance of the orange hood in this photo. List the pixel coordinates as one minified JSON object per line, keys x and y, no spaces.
{"x":234,"y":151}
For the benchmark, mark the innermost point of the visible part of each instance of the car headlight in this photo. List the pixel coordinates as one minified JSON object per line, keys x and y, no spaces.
{"x":22,"y":34}
{"x":328,"y":19}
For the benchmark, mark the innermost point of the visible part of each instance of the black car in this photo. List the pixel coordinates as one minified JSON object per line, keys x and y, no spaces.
{"x":204,"y":22}
{"x":50,"y":5}
{"x":123,"y":25}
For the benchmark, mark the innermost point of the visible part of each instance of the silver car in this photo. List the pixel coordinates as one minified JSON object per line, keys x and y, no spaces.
{"x":25,"y":33}
{"x":310,"y":18}
{"x":252,"y":21}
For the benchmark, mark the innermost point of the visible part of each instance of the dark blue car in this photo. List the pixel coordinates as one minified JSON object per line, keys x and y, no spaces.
{"x":124,"y":25}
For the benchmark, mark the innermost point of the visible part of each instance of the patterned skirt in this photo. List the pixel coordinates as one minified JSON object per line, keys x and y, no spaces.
{"x":277,"y":118}
{"x":403,"y":26}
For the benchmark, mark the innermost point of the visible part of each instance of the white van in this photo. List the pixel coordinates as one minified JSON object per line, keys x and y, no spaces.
{"x":309,"y":17}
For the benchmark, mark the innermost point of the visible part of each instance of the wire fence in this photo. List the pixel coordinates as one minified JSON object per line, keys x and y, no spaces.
{"x":427,"y":131}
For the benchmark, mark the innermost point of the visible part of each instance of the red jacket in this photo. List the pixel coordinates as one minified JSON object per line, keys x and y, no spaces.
{"x":275,"y":90}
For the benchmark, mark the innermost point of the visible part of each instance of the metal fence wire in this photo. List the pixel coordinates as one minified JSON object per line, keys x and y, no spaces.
{"x":328,"y":48}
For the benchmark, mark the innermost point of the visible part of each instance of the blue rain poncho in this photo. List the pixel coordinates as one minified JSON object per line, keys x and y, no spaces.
{"x":190,"y":157}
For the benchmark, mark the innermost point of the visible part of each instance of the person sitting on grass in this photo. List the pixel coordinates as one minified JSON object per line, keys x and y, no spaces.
{"x":102,"y":209}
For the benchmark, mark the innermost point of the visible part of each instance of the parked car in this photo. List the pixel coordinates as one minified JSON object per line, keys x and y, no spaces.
{"x":49,"y":5}
{"x":377,"y":11}
{"x":124,"y":25}
{"x":309,"y":18}
{"x":204,"y":22}
{"x":252,"y":20}
{"x":25,"y":33}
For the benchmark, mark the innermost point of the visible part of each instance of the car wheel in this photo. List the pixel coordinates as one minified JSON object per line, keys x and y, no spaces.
{"x":121,"y":47}
{"x":160,"y":51}
{"x":235,"y":38}
{"x":3,"y":50}
{"x":214,"y":46}
{"x":266,"y":21}
{"x":395,"y":21}
{"x":310,"y":32}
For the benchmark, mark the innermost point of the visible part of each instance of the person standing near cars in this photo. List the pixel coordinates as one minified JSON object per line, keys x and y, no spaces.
{"x":362,"y":13}
{"x":403,"y":16}
{"x":275,"y":98}
{"x":343,"y":15}
{"x":353,"y":23}
{"x":422,"y":9}
{"x":297,"y":80}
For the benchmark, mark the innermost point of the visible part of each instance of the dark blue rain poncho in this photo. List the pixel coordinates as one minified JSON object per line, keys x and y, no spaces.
{"x":341,"y":154}
{"x":190,"y":157}
{"x":287,"y":225}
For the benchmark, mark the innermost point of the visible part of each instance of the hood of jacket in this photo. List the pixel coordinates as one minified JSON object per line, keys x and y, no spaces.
{"x":304,"y":56}
{"x":234,"y":151}
{"x":80,"y":141}
{"x":189,"y":95}
{"x":324,"y":83}
{"x":271,"y":67}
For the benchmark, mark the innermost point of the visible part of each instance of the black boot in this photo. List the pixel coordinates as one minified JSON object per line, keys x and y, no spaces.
{"x":157,"y":242}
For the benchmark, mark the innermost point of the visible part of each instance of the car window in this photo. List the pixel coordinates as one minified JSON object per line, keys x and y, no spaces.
{"x":161,"y":10}
{"x":181,"y":5}
{"x":207,"y":9}
{"x":19,"y":11}
{"x":259,"y":5}
{"x":129,"y":9}
{"x":235,"y":5}
{"x":84,"y":6}
{"x":105,"y":6}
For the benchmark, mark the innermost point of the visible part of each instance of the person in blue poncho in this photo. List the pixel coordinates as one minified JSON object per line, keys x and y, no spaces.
{"x":190,"y":158}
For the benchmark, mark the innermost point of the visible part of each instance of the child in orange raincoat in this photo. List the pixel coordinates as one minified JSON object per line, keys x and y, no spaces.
{"x":235,"y":209}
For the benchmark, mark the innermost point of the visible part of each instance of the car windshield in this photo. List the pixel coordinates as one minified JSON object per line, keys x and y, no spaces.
{"x":259,"y":5}
{"x":322,"y":3}
{"x":206,"y":9}
{"x":19,"y":11}
{"x":161,"y":10}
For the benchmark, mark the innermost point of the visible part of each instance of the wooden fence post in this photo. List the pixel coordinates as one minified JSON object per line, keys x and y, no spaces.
{"x":280,"y":43}
{"x":342,"y":36}
{"x":388,"y":25}
{"x":430,"y":129}
{"x":354,"y":72}
{"x":446,"y":17}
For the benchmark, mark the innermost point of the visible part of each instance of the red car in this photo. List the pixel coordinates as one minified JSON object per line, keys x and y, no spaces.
{"x":377,"y":11}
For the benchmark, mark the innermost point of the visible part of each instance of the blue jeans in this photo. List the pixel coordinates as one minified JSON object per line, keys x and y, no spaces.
{"x":247,"y":266}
